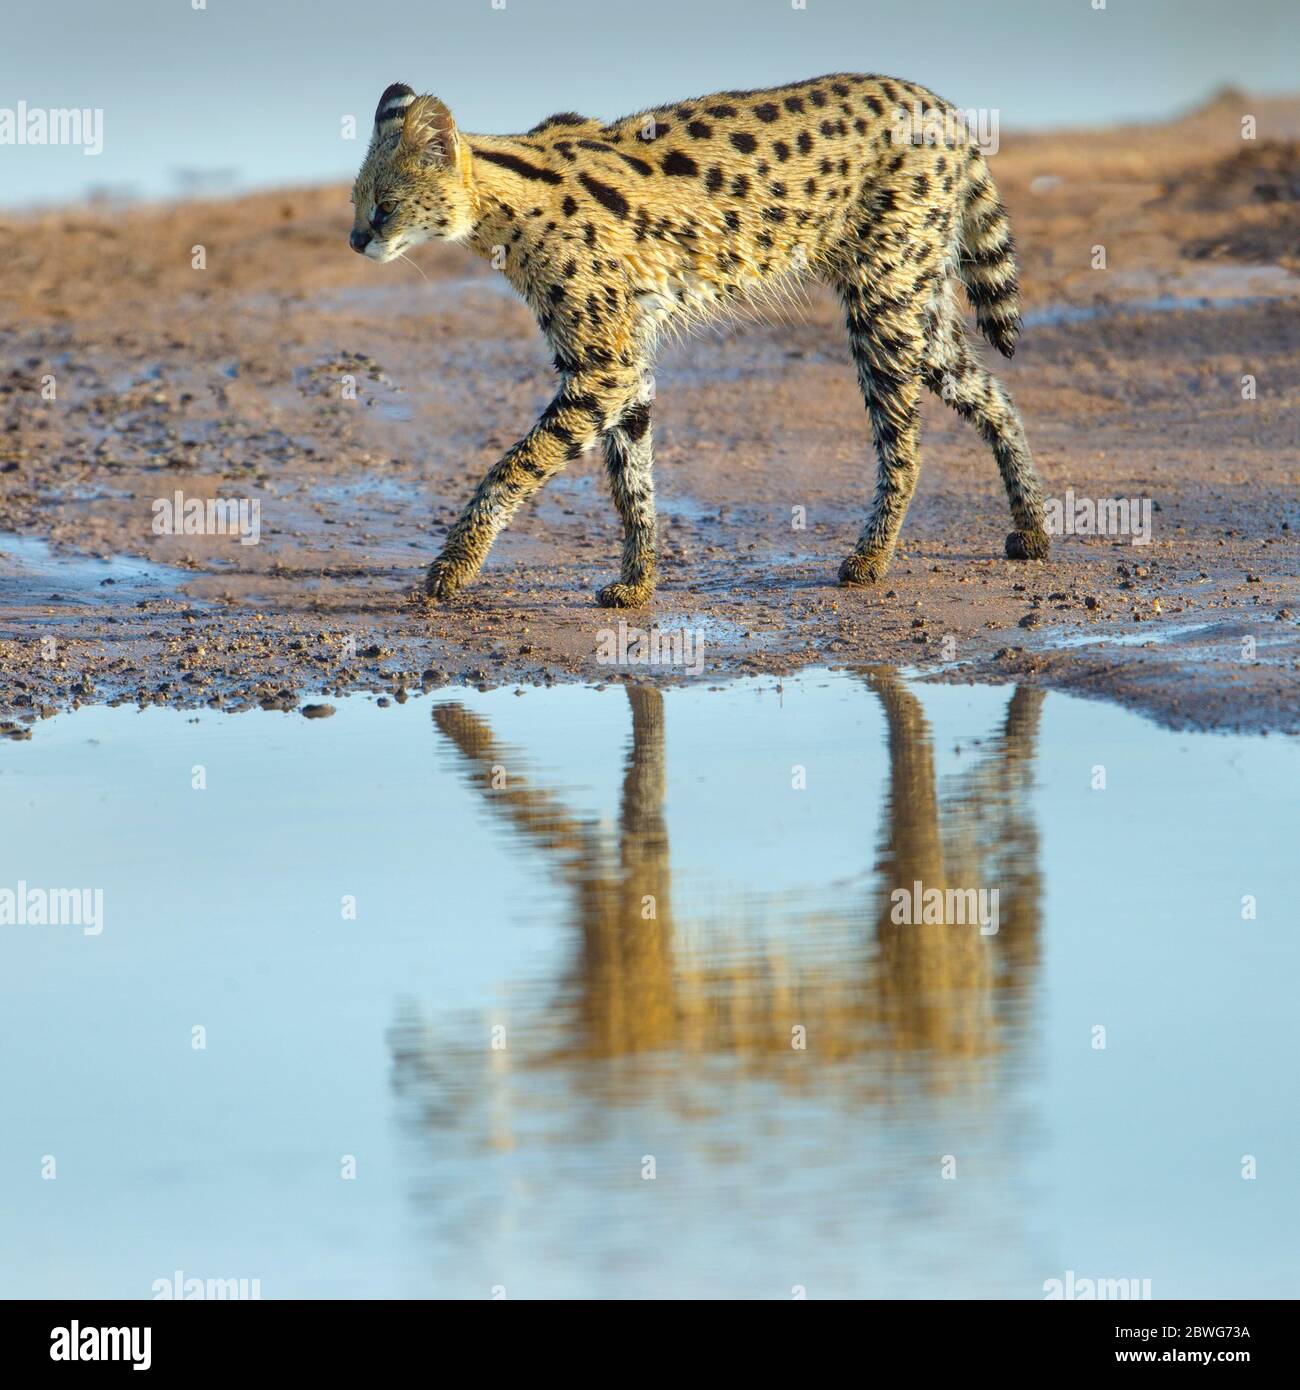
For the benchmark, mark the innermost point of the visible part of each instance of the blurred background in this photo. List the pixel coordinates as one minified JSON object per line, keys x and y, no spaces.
{"x":242,"y":94}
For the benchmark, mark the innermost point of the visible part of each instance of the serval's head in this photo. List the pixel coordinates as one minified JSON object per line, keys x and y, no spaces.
{"x":414,"y":183}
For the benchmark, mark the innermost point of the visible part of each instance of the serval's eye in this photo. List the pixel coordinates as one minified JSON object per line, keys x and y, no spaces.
{"x":388,"y":207}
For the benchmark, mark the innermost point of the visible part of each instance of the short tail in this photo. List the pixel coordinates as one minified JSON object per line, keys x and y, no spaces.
{"x":987,"y":266}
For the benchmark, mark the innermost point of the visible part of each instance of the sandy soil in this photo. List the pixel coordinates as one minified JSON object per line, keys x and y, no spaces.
{"x":227,"y":381}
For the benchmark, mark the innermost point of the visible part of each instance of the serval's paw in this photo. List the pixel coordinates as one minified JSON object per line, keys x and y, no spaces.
{"x":620,"y":595}
{"x":1028,"y":545}
{"x":443,"y":579}
{"x":869,"y":568}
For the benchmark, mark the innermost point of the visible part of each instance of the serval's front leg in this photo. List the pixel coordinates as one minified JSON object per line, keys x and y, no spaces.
{"x":587,"y":403}
{"x":628,"y":460}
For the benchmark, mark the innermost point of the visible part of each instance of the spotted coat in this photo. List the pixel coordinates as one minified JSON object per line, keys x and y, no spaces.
{"x":618,"y":235}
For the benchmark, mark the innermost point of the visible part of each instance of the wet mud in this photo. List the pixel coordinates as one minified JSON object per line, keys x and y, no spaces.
{"x":358,"y":406}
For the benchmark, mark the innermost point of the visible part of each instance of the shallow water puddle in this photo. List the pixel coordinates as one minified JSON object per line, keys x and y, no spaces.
{"x":1196,"y":641}
{"x":1057,"y":315}
{"x":1167,"y":633}
{"x":29,"y":567}
{"x":612,"y":992}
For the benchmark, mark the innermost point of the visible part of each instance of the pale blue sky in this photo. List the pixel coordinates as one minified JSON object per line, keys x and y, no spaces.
{"x":262,"y":86}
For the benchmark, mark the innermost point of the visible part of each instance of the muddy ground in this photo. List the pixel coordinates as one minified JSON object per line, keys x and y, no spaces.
{"x":230,"y":380}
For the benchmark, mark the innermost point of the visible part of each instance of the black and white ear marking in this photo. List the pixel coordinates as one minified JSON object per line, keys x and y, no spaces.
{"x":391,"y":111}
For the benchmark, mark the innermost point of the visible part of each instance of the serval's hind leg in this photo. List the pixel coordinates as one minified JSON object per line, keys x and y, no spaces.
{"x":887,"y":342}
{"x":628,"y":461}
{"x":955,"y":374}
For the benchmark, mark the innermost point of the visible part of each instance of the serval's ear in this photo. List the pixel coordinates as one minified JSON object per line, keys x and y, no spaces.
{"x":429,"y":132}
{"x":391,"y":111}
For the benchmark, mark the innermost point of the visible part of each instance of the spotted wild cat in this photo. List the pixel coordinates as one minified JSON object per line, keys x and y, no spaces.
{"x":615,"y":233}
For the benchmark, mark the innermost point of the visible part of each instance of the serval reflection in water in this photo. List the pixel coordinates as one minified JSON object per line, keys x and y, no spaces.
{"x":653,"y":996}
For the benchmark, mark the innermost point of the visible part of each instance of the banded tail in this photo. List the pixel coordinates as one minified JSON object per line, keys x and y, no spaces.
{"x":987,"y":266}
